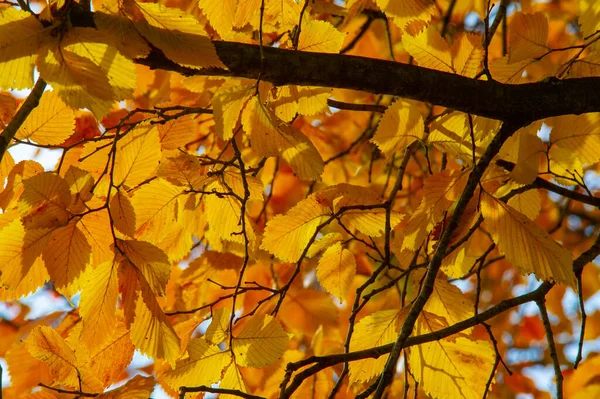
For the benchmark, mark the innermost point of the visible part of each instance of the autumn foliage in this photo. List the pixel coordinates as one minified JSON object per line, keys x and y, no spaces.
{"x":310,"y":198}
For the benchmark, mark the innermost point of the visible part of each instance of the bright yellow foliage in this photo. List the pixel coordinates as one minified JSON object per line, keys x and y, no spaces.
{"x":296,"y":198}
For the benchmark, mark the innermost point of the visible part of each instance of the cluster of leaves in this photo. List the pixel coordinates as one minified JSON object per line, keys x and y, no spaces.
{"x":248,"y":234}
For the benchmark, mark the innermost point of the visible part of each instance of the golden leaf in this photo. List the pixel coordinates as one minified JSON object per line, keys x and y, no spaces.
{"x":122,"y":213}
{"x":261,"y":342}
{"x":178,"y":34}
{"x":273,"y":137}
{"x":379,"y":328}
{"x":320,"y":37}
{"x":203,"y":366}
{"x":98,"y":304}
{"x":525,"y":244}
{"x":401,"y":124}
{"x":138,"y":155}
{"x":151,"y":332}
{"x":20,"y":38}
{"x":527,"y":36}
{"x":429,"y":49}
{"x":66,"y":256}
{"x":151,"y":261}
{"x":52,"y":122}
{"x":336,"y":270}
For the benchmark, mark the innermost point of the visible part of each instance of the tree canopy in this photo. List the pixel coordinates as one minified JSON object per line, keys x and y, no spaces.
{"x":300,"y":198}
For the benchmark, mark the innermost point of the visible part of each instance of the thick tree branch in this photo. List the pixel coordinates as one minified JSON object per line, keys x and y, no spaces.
{"x":486,"y":98}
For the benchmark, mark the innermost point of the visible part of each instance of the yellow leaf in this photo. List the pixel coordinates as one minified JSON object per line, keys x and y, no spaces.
{"x":110,"y":21}
{"x":52,"y":122}
{"x":138,"y":155}
{"x":448,"y":301}
{"x":458,"y":368}
{"x":402,"y":12}
{"x":176,"y":133}
{"x":150,"y":261}
{"x":273,"y":137}
{"x":368,"y":221}
{"x":439,"y":192}
{"x":96,"y":228}
{"x":525,"y":244}
{"x":564,"y":162}
{"x":80,"y":184}
{"x":218,"y":330}
{"x":203,"y":367}
{"x":14,"y":184}
{"x":45,"y":344}
{"x":468,"y":55}
{"x":224,"y":216}
{"x":234,"y":180}
{"x":324,"y":242}
{"x":98,"y":304}
{"x":524,"y":149}
{"x":527,"y":36}
{"x":185,"y":169}
{"x":286,"y":13}
{"x":505,"y":71}
{"x":287,"y":235}
{"x":580,"y":134}
{"x":19,"y":250}
{"x":586,"y":66}
{"x":122,"y":213}
{"x":151,"y":332}
{"x":261,"y":342}
{"x":429,"y":49}
{"x":233,"y":379}
{"x":400,"y":125}
{"x":67,"y":255}
{"x":137,"y":388}
{"x":20,"y":37}
{"x":305,"y":100}
{"x":44,"y":201}
{"x":227,"y":106}
{"x":87,"y":71}
{"x":155,"y":207}
{"x":336,"y":270}
{"x":379,"y":328}
{"x":528,"y":203}
{"x":178,"y":34}
{"x":220,"y":14}
{"x":108,"y":360}
{"x":320,"y":37}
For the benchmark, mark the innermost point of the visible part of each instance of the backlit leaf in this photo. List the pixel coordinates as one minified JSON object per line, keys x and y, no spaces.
{"x":138,"y":154}
{"x":261,"y":342}
{"x":150,"y":261}
{"x":320,"y":37}
{"x":45,"y":344}
{"x":52,"y":122}
{"x":98,"y":304}
{"x":122,"y":213}
{"x":178,"y":34}
{"x":527,"y":36}
{"x":67,"y":255}
{"x":429,"y":49}
{"x":151,"y":332}
{"x":336,"y":270}
{"x":401,"y":124}
{"x":218,"y":329}
{"x":20,"y":37}
{"x":452,"y":368}
{"x":137,"y":388}
{"x":379,"y":328}
{"x":203,"y":366}
{"x":579,"y":134}
{"x":525,"y":244}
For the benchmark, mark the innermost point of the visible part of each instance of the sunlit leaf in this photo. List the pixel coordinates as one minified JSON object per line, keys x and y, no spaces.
{"x":261,"y":342}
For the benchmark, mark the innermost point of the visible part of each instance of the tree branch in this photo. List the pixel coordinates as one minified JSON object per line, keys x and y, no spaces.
{"x":491,"y":99}
{"x":29,"y":105}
